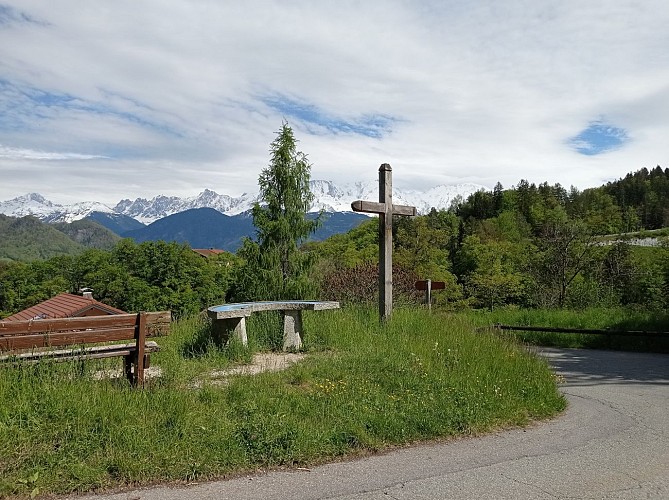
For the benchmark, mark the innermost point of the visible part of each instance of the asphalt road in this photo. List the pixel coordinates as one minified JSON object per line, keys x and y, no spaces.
{"x":611,"y":443}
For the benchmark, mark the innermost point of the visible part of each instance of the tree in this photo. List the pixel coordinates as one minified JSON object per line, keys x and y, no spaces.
{"x":565,"y":251}
{"x":493,"y":271}
{"x":275,"y":268}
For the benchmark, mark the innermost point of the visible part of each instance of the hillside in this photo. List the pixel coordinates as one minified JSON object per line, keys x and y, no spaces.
{"x":199,"y":227}
{"x":116,"y":223}
{"x":88,"y":233}
{"x":27,"y":239}
{"x":208,"y":228}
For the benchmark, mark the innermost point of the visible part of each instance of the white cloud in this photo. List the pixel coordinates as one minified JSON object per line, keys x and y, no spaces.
{"x":171,"y":92}
{"x":7,"y":153}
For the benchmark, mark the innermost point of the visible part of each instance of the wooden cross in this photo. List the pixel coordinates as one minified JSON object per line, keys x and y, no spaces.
{"x":386,"y":210}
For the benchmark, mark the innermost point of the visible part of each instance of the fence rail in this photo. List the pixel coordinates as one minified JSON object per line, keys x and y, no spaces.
{"x":587,"y":331}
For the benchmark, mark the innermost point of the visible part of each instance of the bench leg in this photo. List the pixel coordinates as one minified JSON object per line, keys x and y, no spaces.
{"x":128,"y":362}
{"x":223,"y":329}
{"x":292,"y":330}
{"x":127,"y":367}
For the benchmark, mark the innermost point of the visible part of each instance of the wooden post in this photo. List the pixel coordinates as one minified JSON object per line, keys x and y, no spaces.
{"x":386,"y":242}
{"x":428,"y":286}
{"x":386,"y":210}
{"x":138,"y":378}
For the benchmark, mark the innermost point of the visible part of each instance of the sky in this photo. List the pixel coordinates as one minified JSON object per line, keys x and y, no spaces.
{"x":114,"y":99}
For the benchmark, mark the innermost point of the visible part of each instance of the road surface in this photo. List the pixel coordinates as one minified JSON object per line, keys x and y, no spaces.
{"x":611,"y":443}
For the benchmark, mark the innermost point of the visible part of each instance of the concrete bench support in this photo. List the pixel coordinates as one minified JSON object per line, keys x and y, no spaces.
{"x":225,"y":329}
{"x":229,"y":320}
{"x":292,"y":330}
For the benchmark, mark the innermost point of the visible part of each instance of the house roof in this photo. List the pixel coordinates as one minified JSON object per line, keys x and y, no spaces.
{"x":208,"y":252}
{"x":64,"y":305}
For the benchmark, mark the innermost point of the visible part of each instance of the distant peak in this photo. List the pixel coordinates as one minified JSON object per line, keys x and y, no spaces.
{"x":33,"y":197}
{"x":36,"y":197}
{"x":207,"y":194}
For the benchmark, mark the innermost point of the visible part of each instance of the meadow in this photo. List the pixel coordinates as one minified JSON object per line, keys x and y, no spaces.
{"x":363,"y":387}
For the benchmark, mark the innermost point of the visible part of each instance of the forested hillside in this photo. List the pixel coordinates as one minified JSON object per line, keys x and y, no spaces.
{"x":644,"y":196}
{"x":88,"y":233}
{"x":27,"y":238}
{"x":526,"y":246}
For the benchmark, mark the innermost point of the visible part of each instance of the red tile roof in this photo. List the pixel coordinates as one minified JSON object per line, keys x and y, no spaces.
{"x":208,"y":252}
{"x":65,"y":305}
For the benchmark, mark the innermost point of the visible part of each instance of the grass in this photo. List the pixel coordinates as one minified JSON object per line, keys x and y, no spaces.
{"x":364,"y":387}
{"x":620,"y":319}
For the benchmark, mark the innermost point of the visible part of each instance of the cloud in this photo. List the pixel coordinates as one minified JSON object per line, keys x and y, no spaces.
{"x":10,"y":15}
{"x":371,"y":125}
{"x":24,"y":107}
{"x":27,"y":154}
{"x":171,"y":98}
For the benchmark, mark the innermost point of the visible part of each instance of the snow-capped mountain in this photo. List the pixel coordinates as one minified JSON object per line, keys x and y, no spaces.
{"x":327,"y":196}
{"x":29,"y":204}
{"x":35,"y":204}
{"x":332,"y":198}
{"x":148,"y":211}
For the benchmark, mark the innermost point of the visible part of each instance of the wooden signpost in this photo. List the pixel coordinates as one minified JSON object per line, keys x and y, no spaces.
{"x":386,"y":210}
{"x":428,"y":286}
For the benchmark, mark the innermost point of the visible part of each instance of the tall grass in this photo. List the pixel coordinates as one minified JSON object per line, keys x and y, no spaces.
{"x":363,"y":387}
{"x":617,"y":319}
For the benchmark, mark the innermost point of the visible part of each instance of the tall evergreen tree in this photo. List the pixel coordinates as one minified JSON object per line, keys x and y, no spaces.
{"x":275,"y":267}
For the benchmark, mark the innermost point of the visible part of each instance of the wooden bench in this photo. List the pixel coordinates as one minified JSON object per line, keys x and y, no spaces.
{"x":34,"y":340}
{"x":230,"y":319}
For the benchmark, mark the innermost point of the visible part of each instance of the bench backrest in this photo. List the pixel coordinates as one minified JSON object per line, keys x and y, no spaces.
{"x":15,"y":335}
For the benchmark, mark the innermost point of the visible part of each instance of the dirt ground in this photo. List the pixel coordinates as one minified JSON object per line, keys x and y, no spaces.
{"x":261,"y":362}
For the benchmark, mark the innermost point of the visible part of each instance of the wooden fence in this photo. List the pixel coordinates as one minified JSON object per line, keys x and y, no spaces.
{"x":587,"y":331}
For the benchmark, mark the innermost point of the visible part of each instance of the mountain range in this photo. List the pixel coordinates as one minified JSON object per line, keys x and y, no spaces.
{"x":211,"y":220}
{"x":327,"y":196}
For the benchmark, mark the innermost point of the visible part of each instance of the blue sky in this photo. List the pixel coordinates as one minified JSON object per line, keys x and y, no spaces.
{"x":120,"y":99}
{"x":599,"y":138}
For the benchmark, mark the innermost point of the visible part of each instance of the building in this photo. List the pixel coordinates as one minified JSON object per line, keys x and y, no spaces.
{"x":65,"y":305}
{"x":208,"y":252}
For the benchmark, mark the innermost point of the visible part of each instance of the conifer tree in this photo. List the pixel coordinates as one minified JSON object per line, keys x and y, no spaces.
{"x":275,"y":267}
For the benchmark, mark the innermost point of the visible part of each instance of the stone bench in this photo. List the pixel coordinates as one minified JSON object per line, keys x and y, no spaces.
{"x":230,"y":319}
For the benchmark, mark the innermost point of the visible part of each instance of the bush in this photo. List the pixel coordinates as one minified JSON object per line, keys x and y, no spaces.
{"x":360,"y":285}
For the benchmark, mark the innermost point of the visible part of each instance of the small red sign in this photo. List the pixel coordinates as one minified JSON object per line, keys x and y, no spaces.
{"x":436,"y":285}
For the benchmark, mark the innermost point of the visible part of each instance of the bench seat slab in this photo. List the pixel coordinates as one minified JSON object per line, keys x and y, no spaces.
{"x":230,"y":319}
